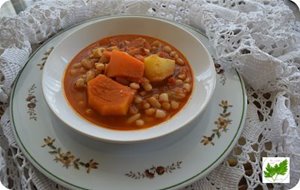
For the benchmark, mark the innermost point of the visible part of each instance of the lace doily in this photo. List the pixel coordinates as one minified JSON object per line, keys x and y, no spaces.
{"x":261,"y":39}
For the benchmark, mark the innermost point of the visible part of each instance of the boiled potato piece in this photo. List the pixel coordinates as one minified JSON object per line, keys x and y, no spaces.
{"x":157,"y":68}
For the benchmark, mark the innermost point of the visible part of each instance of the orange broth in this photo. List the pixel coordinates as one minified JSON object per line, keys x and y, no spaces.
{"x":78,"y":98}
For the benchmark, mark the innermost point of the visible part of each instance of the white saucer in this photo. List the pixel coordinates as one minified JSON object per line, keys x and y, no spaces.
{"x":78,"y":162}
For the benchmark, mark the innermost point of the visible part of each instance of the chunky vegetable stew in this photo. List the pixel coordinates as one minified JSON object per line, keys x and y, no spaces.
{"x":128,"y":82}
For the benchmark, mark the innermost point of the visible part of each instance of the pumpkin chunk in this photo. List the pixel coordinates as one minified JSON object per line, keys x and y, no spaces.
{"x":108,"y":97}
{"x":122,"y":64}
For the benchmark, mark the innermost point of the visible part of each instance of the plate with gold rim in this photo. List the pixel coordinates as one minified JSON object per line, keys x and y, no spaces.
{"x":78,"y":162}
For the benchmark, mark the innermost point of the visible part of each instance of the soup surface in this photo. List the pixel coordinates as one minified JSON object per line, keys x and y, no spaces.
{"x":128,"y":82}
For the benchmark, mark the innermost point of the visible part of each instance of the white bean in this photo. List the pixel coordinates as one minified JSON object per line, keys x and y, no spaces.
{"x":147,"y":86}
{"x":138,"y":99}
{"x":150,"y":111}
{"x":166,"y":105}
{"x":174,"y":104}
{"x":188,"y":79}
{"x":73,"y":72}
{"x":174,"y":54}
{"x":156,"y":43}
{"x":179,"y":61}
{"x":133,"y":118}
{"x":139,"y":122}
{"x":146,"y":105}
{"x":86,"y":63}
{"x":160,"y":113}
{"x":178,"y":82}
{"x":167,"y":49}
{"x":90,"y":75}
{"x":163,"y":97}
{"x":80,"y":83}
{"x":134,"y":85}
{"x":178,"y":95}
{"x":76,"y":65}
{"x":182,"y":76}
{"x":154,"y":102}
{"x":100,"y":66}
{"x":97,"y":52}
{"x":187,"y":87}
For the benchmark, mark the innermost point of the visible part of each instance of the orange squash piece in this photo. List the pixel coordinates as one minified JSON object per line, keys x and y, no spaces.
{"x":109,"y":97}
{"x":122,"y":64}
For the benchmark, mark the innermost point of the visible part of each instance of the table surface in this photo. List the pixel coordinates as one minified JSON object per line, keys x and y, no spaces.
{"x":13,"y":7}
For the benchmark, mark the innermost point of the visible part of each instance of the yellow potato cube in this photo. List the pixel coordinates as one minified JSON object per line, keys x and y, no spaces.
{"x":157,"y":68}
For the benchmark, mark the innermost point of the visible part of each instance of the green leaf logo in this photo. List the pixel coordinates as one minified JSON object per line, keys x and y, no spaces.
{"x":278,"y":169}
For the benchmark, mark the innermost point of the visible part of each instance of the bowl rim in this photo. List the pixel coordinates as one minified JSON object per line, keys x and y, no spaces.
{"x":126,"y":132}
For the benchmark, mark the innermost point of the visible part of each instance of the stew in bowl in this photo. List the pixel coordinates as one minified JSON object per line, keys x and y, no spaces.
{"x":117,"y":82}
{"x":128,"y":82}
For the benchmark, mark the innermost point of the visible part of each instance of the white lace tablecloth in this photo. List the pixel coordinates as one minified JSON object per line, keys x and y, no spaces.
{"x":261,"y":39}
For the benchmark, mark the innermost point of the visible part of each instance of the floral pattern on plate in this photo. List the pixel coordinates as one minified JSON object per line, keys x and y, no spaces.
{"x":222,"y":123}
{"x":44,"y":59}
{"x":67,"y":159}
{"x":221,"y":72}
{"x":31,"y":103}
{"x":154,"y":171}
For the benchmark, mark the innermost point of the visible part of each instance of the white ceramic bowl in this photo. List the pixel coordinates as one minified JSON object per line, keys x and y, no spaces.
{"x":197,"y":55}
